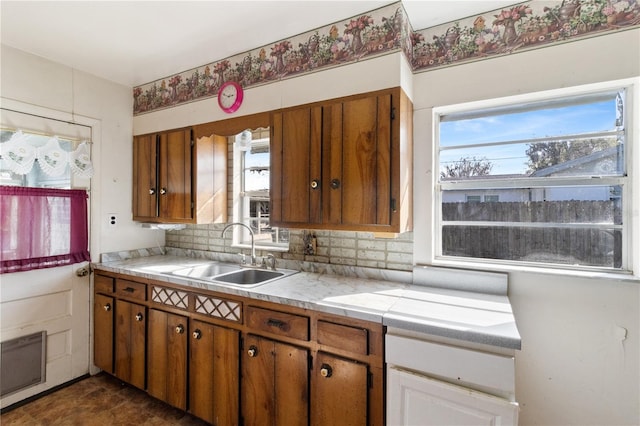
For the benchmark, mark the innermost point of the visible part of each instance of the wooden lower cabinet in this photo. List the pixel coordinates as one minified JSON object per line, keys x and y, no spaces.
{"x":340,"y":391}
{"x":268,"y":364}
{"x":275,"y":383}
{"x":167,"y":360}
{"x":103,"y":332}
{"x":130,"y":340}
{"x":214,"y":373}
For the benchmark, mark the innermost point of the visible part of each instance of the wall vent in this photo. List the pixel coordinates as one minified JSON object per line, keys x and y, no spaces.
{"x":23,"y":362}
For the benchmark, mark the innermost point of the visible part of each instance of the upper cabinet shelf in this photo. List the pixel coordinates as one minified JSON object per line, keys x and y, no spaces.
{"x":344,"y":164}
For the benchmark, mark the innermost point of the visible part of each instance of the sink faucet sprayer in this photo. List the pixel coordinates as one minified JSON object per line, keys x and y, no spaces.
{"x":253,"y":246}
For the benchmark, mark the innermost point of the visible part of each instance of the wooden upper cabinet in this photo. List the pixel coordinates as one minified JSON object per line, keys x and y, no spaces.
{"x":344,"y":164}
{"x":179,"y":177}
{"x":296,"y":172}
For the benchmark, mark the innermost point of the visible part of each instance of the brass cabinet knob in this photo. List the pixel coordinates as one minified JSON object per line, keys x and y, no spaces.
{"x":163,"y":191}
{"x":197,"y":334}
{"x":107,"y":307}
{"x":326,"y":370}
{"x":152,"y":191}
{"x":180,"y":329}
{"x":253,"y":351}
{"x":335,"y":183}
{"x":315,"y":184}
{"x":139,"y":316}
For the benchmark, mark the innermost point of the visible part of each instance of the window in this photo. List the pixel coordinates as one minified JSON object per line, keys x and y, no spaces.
{"x":251,"y":192}
{"x":543,"y":182}
{"x":42,"y":225}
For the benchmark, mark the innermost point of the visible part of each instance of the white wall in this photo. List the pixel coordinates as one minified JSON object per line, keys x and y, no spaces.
{"x":579,"y":363}
{"x":40,"y":84}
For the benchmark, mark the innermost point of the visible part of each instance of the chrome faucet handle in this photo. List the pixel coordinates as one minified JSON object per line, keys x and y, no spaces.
{"x":273,"y":261}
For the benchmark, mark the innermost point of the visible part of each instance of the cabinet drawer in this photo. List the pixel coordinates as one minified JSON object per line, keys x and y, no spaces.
{"x":102,"y":284}
{"x":131,"y":289}
{"x":281,"y":323}
{"x":352,"y":339}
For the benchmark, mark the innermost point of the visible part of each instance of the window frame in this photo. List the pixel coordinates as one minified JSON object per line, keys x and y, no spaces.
{"x":631,"y":192}
{"x":241,"y":237}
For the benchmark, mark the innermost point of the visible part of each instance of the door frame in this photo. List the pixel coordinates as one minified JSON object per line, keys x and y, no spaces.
{"x":95,"y":183}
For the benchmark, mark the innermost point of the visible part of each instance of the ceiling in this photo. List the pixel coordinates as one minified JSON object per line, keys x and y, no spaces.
{"x":135,"y":42}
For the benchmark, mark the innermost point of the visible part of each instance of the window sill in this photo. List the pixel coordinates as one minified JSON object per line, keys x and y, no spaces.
{"x":621,"y":276}
{"x":277,"y":249}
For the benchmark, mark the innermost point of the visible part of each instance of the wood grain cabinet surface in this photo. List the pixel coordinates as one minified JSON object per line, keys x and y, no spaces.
{"x":267,"y":364}
{"x":344,"y":164}
{"x":178,"y":178}
{"x":167,"y":359}
{"x":130,"y":342}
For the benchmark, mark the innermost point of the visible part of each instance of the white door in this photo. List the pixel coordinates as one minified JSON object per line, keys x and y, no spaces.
{"x":54,"y":300}
{"x":414,"y":399}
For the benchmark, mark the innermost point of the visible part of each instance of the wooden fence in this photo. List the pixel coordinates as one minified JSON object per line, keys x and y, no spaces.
{"x":557,"y":244}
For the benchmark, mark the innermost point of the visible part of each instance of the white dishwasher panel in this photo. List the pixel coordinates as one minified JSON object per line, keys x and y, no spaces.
{"x":414,"y":399}
{"x":491,"y":373}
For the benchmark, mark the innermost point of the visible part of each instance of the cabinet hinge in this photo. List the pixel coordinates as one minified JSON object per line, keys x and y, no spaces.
{"x":393,"y":205}
{"x":393,"y":113}
{"x":242,"y":343}
{"x":370,"y":380}
{"x":310,"y":362}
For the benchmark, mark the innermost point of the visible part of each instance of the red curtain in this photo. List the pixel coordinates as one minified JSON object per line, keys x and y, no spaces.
{"x":42,"y":228}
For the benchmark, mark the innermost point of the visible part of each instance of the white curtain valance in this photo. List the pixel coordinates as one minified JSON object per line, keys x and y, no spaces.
{"x":19,"y":156}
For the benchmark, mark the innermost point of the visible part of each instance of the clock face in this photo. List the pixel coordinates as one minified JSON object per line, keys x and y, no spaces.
{"x":230,"y":96}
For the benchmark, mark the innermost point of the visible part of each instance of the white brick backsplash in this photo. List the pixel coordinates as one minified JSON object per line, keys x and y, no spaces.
{"x":371,"y":255}
{"x":372,"y":244}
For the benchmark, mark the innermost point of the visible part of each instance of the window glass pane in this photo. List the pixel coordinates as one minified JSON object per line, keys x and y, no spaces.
{"x":539,"y":122}
{"x":601,"y":156}
{"x":256,"y":172}
{"x":517,"y":182}
{"x":252,"y":149}
{"x":568,"y":246}
{"x":585,"y":205}
{"x":36,"y":177}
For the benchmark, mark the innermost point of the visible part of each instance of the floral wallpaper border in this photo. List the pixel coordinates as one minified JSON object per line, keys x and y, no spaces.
{"x":521,"y":27}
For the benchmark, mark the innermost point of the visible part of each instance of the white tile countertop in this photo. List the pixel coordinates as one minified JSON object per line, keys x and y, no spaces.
{"x":469,"y":316}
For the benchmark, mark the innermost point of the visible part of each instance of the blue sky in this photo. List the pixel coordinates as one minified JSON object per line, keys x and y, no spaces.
{"x":511,"y":159}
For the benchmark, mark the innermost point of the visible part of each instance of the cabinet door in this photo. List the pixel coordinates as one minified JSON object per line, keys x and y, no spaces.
{"x":357,"y":162}
{"x":103,"y":332}
{"x":296,"y":166}
{"x":167,"y":361}
{"x":339,"y":390}
{"x":415,"y":399}
{"x":145,"y":186}
{"x":130,"y":332}
{"x":214,"y":373}
{"x":175,"y":183}
{"x":275,"y":383}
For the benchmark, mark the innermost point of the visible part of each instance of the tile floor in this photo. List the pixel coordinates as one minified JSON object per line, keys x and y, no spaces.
{"x":98,"y":400}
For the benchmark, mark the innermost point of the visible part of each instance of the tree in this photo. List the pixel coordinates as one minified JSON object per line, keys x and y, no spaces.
{"x":546,"y":154}
{"x":467,"y":167}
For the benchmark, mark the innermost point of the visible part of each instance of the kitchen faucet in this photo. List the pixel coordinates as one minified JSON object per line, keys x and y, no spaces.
{"x":253,"y":246}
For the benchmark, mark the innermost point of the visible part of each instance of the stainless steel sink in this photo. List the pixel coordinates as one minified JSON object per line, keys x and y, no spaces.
{"x":206,"y":271}
{"x":232,"y":274}
{"x":249,"y":276}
